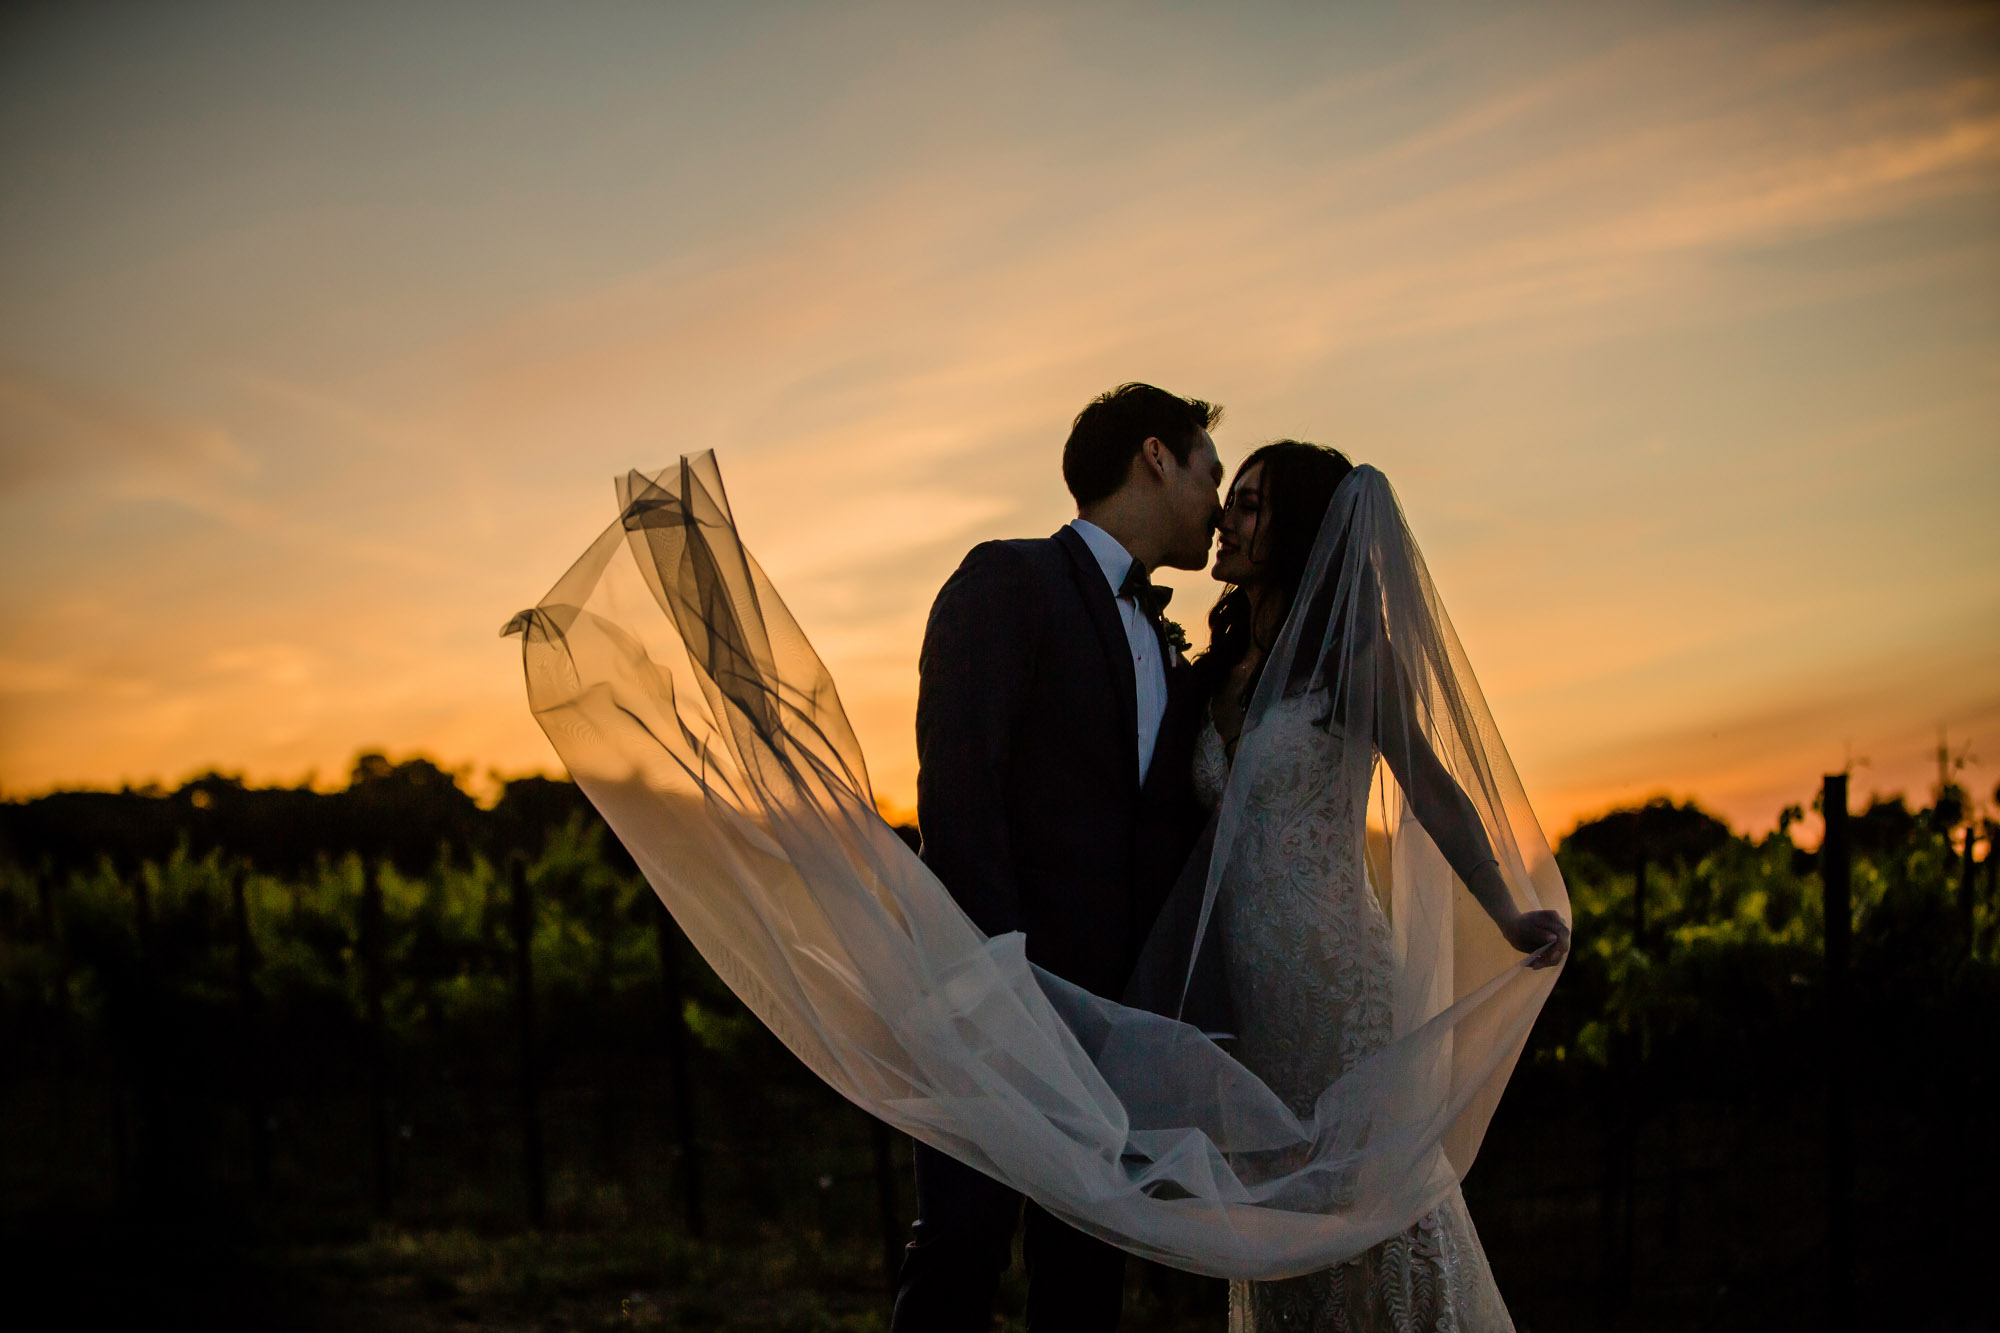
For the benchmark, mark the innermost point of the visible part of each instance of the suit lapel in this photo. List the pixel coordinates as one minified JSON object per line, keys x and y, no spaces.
{"x":1088,"y":576}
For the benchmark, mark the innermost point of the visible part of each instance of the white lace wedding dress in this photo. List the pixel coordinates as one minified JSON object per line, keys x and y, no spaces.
{"x":1310,"y":960}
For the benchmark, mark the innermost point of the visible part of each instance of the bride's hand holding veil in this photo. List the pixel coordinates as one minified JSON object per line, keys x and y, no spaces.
{"x":1542,"y":933}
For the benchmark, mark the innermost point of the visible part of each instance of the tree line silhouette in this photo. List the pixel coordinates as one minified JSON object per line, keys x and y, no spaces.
{"x":300,"y":1012}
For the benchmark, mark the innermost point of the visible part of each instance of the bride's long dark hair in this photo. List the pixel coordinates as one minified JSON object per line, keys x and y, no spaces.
{"x":1297,"y":485}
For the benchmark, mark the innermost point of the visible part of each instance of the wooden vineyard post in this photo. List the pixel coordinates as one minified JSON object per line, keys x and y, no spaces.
{"x":59,"y":1002}
{"x":1968,"y":892}
{"x":1992,"y":875}
{"x":1834,"y":876}
{"x":250,"y":1034}
{"x":46,"y":883}
{"x":665,"y":939}
{"x":150,"y":1132}
{"x":373,"y":949}
{"x":1634,"y":1098}
{"x":606,"y":1106}
{"x":1639,"y":904}
{"x":523,"y":914}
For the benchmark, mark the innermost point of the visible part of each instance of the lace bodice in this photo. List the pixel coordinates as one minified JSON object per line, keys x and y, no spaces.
{"x":1311,"y":966}
{"x":1211,"y":766}
{"x":1308,"y":951}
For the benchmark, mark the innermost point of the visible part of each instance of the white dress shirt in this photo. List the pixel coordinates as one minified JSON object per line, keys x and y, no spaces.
{"x":1149,"y":669}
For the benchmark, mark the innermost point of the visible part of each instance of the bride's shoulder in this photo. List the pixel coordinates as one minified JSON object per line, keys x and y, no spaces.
{"x":1303,"y":711}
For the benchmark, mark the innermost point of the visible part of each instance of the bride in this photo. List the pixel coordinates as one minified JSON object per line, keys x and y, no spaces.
{"x":1310,"y":954}
{"x":1359,"y":791}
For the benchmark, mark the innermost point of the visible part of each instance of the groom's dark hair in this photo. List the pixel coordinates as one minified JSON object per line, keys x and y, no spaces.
{"x":1106,"y":435}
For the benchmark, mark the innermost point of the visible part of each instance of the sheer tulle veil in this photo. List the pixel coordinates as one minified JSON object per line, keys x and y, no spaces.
{"x":689,"y":706}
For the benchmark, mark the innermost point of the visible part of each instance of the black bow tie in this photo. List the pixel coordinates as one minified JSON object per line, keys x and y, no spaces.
{"x":1150,"y":596}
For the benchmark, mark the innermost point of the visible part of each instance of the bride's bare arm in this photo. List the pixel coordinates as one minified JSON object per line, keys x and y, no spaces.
{"x":1447,"y":814}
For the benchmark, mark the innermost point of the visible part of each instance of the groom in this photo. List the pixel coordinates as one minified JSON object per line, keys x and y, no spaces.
{"x":1055,"y":730}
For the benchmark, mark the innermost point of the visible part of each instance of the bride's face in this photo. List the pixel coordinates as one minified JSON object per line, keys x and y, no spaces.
{"x":1239,"y":554}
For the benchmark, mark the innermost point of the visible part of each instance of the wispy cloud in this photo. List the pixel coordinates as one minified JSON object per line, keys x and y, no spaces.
{"x":50,"y":431}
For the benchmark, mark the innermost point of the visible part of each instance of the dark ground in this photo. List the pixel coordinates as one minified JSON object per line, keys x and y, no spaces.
{"x":1727,"y":1234}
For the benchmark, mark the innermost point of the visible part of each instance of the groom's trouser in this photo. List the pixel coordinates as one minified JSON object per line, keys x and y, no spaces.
{"x":964,"y":1242}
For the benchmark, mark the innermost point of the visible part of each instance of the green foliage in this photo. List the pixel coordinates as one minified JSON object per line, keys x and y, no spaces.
{"x":129,"y":974}
{"x":1728,"y":974}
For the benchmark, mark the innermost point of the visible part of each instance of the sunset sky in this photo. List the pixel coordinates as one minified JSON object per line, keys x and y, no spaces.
{"x":324,"y":329}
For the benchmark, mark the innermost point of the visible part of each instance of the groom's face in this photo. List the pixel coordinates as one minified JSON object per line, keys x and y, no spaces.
{"x":1191,"y":501}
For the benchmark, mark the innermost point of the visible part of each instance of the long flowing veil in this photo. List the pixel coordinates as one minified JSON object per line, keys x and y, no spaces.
{"x":691,"y":709}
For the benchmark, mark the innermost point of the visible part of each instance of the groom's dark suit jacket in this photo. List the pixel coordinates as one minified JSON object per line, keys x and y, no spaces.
{"x":1028,"y":793}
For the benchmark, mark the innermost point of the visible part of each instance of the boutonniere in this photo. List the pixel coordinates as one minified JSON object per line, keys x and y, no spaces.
{"x":1177,"y":638}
